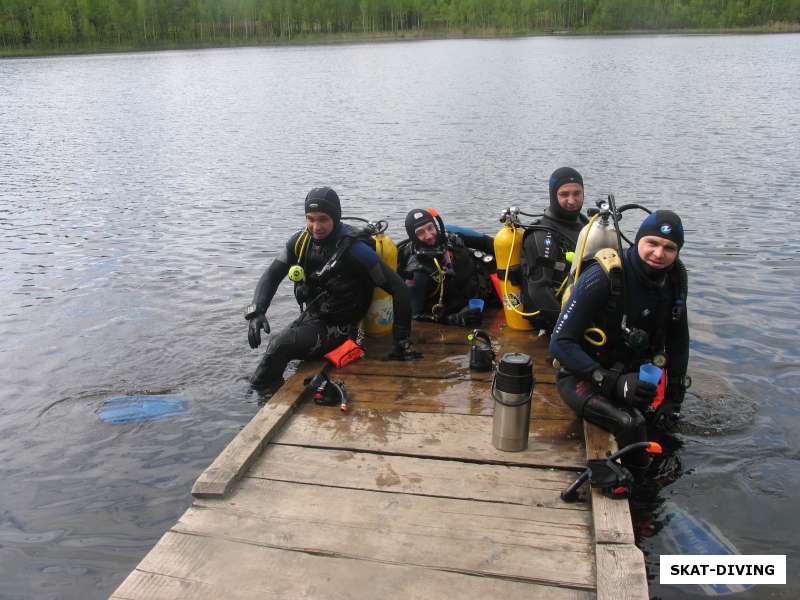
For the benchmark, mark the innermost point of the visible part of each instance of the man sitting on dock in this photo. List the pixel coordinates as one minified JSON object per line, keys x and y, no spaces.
{"x":335,"y":271}
{"x":446,"y":269}
{"x":622,"y":315}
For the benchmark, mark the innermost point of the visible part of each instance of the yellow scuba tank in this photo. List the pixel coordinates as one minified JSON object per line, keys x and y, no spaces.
{"x":380,"y":315}
{"x":507,"y":250}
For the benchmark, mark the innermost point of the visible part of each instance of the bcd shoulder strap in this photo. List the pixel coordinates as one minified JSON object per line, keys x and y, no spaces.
{"x":611,"y":263}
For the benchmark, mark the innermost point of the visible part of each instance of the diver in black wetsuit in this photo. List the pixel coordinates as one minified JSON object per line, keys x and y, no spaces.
{"x":601,"y":383}
{"x":444,"y":269}
{"x":340,"y":271}
{"x":545,"y":246}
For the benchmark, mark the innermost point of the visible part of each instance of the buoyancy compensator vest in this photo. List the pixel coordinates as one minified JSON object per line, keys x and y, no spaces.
{"x":548,"y":246}
{"x":332,"y":284}
{"x":634,"y":327}
{"x":453,"y":271}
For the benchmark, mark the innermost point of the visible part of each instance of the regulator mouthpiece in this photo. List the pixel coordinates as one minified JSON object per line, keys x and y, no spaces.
{"x":296,"y":273}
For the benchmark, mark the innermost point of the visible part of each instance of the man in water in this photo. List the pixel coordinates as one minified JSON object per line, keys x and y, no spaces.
{"x":445,"y":268}
{"x":640,"y":306}
{"x":545,"y":247}
{"x":335,"y":272}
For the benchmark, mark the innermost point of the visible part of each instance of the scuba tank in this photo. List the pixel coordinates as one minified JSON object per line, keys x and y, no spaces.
{"x":380,"y":315}
{"x":507,"y":249}
{"x":599,"y":233}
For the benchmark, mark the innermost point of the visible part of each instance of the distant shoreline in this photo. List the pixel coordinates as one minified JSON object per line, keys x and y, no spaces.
{"x":353,"y":38}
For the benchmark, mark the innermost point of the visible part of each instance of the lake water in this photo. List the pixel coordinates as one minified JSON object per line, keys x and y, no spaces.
{"x":142,"y":195}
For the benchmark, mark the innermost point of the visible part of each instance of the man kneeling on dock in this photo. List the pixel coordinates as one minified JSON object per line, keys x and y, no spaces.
{"x":334,"y":271}
{"x":636,"y":305}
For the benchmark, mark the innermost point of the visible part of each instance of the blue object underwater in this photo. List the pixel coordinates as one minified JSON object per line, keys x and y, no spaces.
{"x":686,"y":534}
{"x":130,"y":409}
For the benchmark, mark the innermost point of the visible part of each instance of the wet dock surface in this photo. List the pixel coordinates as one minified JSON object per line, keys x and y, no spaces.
{"x":402,"y":496}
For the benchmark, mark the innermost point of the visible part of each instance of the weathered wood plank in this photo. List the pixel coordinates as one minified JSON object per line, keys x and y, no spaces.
{"x":187,"y":567}
{"x":552,"y":442}
{"x":612,"y":518}
{"x":521,"y":542}
{"x":384,"y":393}
{"x":448,"y":479}
{"x":217,"y":479}
{"x":494,"y":324}
{"x":440,"y":361}
{"x":621,"y":573}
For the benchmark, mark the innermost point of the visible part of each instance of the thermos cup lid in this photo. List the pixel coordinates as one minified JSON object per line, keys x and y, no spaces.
{"x":515,"y":363}
{"x":514,"y":374}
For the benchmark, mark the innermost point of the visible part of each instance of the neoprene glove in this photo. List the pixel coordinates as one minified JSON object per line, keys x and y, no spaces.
{"x":634,"y":391}
{"x":669,"y":413}
{"x":402,"y":350}
{"x":466,"y":317}
{"x":254,"y":327}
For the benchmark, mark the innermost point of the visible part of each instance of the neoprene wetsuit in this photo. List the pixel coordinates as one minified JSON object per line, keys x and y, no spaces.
{"x":651,"y":297}
{"x":334,"y":302}
{"x":545,"y":265}
{"x":465,"y":276}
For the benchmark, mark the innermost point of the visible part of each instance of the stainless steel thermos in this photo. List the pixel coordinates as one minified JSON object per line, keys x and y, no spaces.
{"x":512,"y":390}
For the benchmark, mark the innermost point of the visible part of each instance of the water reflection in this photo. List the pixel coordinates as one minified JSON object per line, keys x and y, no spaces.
{"x":144,"y":194}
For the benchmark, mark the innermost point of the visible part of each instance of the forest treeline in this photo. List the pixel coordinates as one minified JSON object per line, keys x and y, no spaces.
{"x":49,"y":24}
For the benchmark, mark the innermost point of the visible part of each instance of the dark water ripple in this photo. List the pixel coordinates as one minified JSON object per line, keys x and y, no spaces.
{"x":143,"y":195}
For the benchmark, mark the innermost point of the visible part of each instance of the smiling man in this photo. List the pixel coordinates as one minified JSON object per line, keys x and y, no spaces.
{"x":334,"y":270}
{"x":639,"y":305}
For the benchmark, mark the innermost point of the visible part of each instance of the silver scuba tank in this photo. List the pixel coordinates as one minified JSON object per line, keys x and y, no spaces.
{"x":600,"y":234}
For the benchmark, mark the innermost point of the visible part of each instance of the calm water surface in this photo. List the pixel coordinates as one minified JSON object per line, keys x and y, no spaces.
{"x":142,"y":195}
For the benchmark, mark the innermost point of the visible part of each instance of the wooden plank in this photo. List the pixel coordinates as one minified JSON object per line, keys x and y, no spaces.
{"x":188,"y":567}
{"x":552,"y":442}
{"x":217,"y":479}
{"x":390,"y":394}
{"x":621,"y":573}
{"x":612,"y":518}
{"x":494,"y":324}
{"x":439,"y":361}
{"x":479,"y":538}
{"x":524,"y":486}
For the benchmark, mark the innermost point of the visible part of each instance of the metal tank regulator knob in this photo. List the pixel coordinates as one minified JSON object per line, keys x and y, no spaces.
{"x":504,"y":215}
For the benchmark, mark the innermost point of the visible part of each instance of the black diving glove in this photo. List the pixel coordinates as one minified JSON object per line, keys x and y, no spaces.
{"x":402,"y":350}
{"x":669,"y":413}
{"x":254,"y":327}
{"x":466,"y":317}
{"x":635,"y":392}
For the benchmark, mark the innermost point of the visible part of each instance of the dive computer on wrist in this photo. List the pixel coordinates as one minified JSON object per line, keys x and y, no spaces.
{"x":251,"y":311}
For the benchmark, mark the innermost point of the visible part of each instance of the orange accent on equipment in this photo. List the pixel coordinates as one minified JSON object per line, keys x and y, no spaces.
{"x":654,"y":448}
{"x":498,"y":286}
{"x":345,"y":354}
{"x":661,"y":391}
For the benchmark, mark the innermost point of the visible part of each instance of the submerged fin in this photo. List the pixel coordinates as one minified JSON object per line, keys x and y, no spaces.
{"x":129,"y":409}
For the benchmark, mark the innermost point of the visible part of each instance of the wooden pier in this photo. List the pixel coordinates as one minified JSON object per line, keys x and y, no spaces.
{"x":403,"y":496}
